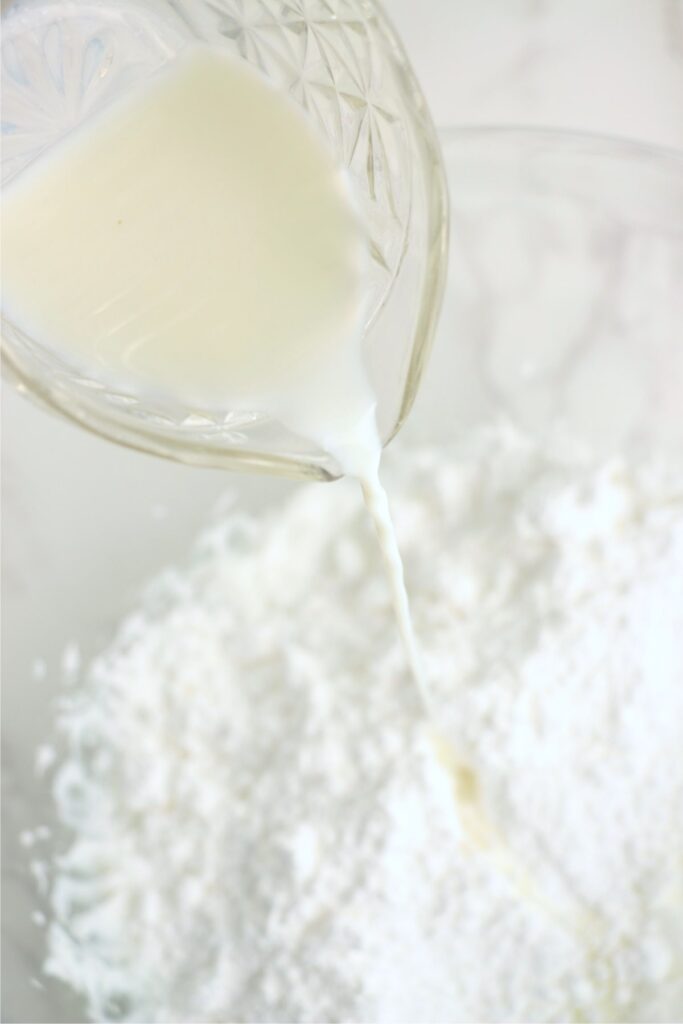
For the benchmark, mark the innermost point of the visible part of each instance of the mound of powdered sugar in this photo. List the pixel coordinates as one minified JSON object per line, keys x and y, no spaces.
{"x":264,"y":829}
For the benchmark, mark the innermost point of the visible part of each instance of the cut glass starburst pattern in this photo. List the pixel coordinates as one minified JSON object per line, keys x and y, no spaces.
{"x":333,"y":60}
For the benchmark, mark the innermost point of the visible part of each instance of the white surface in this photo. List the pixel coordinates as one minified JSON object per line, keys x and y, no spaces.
{"x":73,"y":549}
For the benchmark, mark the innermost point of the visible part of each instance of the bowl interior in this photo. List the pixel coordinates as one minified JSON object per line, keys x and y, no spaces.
{"x":562,"y":314}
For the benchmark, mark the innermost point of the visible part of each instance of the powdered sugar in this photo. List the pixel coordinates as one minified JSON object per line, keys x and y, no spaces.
{"x":266,"y":830}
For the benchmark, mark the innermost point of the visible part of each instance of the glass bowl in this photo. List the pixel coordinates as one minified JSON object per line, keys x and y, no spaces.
{"x":563,"y":313}
{"x":343,"y":65}
{"x":564,"y":299}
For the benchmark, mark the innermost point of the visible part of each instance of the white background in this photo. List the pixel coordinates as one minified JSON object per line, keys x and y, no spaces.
{"x":85,"y":522}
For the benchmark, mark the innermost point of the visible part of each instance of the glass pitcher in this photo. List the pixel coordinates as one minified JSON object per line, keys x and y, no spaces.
{"x":342,"y":63}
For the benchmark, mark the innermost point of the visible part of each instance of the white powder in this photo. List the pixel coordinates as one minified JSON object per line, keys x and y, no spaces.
{"x":265,"y":831}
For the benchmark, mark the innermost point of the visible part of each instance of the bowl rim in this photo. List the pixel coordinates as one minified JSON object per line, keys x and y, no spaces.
{"x":520,"y":131}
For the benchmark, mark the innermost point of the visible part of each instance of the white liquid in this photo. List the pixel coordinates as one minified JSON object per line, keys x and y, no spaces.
{"x":195,"y":239}
{"x":198,"y":240}
{"x":360,"y":455}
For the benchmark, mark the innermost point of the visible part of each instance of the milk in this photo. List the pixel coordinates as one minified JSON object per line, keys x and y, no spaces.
{"x":198,"y":240}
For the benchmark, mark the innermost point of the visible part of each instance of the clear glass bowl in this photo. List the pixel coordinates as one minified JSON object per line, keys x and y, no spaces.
{"x":563,"y":312}
{"x":564,"y":297}
{"x":342,"y":63}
